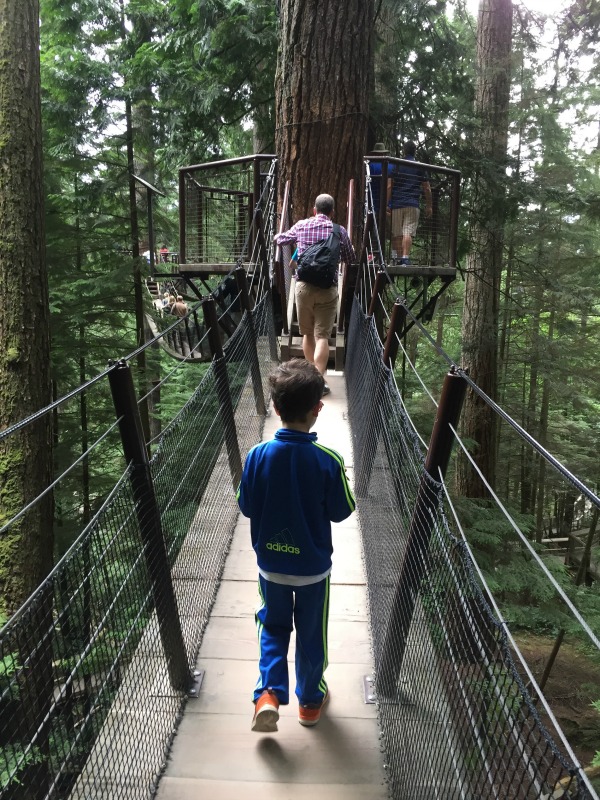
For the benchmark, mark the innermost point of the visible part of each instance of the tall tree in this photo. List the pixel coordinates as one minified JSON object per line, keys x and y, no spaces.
{"x":324,"y":67}
{"x":25,"y":458}
{"x":484,"y":264}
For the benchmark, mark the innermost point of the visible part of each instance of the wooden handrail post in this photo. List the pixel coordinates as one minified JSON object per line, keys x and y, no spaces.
{"x":259,"y":397}
{"x":375,"y":306}
{"x":262,"y":245}
{"x":223,"y":390}
{"x":148,"y":515}
{"x":390,"y":351}
{"x":417,"y":547}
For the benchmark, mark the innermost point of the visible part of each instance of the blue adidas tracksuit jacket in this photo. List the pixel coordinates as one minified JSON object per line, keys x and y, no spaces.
{"x":292,"y":488}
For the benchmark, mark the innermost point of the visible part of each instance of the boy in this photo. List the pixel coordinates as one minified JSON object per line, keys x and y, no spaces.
{"x":292,"y":489}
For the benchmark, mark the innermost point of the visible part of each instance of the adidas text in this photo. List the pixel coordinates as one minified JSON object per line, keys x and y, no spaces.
{"x":283,"y":548}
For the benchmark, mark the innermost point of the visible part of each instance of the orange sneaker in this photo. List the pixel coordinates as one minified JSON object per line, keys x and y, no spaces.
{"x":310,"y":713}
{"x":266,"y":713}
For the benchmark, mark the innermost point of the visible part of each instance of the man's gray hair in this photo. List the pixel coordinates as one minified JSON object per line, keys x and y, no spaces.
{"x":324,"y":204}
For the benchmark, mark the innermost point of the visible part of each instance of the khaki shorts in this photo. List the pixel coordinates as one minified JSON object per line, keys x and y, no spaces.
{"x":405,"y":221}
{"x":316,"y":309}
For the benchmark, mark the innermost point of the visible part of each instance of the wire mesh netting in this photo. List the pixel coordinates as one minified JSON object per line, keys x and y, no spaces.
{"x":90,"y":686}
{"x":217,"y":205}
{"x":446,"y":676}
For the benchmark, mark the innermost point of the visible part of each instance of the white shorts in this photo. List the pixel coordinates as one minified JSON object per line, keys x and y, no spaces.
{"x":405,"y":221}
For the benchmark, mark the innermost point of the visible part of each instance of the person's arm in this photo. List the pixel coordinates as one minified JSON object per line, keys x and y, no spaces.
{"x":341,"y":500}
{"x":427,"y":194}
{"x":286,"y":237}
{"x":347,"y":253}
{"x":390,"y":188}
{"x":243,"y":493}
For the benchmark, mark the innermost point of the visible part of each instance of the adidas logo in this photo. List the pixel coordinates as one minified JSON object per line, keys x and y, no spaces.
{"x":283,"y":543}
{"x":283,"y":548}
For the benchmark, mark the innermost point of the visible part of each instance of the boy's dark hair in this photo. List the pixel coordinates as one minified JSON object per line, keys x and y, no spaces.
{"x":296,"y":388}
{"x":410,"y":148}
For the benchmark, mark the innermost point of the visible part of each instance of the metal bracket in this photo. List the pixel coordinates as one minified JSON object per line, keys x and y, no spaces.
{"x":197,"y":684}
{"x":369,"y":689}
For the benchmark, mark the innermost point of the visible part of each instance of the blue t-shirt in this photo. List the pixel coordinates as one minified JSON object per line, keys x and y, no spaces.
{"x":406,"y":186}
{"x":292,"y":488}
{"x":375,"y":168}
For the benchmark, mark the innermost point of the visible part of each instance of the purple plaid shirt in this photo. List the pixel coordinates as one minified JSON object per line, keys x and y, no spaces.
{"x":314,"y":229}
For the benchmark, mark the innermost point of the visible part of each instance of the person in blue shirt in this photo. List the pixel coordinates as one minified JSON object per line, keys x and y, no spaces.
{"x":292,"y":488}
{"x":375,"y":170}
{"x":404,"y":192}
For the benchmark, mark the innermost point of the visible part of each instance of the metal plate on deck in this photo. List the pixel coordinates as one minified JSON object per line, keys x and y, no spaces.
{"x":197,"y":685}
{"x":369,"y":689}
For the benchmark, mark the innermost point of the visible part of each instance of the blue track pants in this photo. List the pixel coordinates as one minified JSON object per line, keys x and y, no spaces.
{"x":305,"y":608}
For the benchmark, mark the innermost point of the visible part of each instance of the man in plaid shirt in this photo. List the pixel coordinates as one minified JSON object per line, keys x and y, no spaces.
{"x":317,"y":307}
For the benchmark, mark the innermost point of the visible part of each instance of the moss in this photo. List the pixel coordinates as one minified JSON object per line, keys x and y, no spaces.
{"x":12,"y":355}
{"x":11,"y":494}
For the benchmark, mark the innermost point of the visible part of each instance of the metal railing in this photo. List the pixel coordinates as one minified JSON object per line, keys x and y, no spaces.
{"x":217,"y":205}
{"x":96,"y":666}
{"x":448,"y":673}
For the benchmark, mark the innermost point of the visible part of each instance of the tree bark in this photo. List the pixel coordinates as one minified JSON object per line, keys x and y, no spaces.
{"x":324,"y":68}
{"x":484,"y":264}
{"x":25,"y":457}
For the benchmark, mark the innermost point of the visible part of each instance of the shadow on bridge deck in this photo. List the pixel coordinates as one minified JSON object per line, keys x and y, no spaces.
{"x":215,"y":755}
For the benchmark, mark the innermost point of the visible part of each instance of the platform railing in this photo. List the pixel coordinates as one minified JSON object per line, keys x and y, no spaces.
{"x":217,"y":202}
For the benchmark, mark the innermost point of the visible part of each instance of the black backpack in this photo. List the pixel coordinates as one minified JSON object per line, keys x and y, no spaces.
{"x":318,"y":264}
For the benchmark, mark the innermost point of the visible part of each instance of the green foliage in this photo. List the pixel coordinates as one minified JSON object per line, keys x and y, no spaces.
{"x":14,"y":761}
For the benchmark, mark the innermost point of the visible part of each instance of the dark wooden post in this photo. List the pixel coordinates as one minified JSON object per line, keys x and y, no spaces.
{"x":259,"y":398}
{"x":417,"y":547}
{"x":262,"y":246}
{"x":148,"y":514}
{"x":223,"y":390}
{"x":390,"y":351}
{"x":375,"y":306}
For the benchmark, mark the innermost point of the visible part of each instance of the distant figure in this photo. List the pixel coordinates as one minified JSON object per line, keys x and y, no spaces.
{"x":179,"y":308}
{"x":165,"y":300}
{"x":146,"y":255}
{"x":164,"y":253}
{"x":317,"y":306}
{"x":404,"y":195}
{"x":171,"y":303}
{"x":292,"y":489}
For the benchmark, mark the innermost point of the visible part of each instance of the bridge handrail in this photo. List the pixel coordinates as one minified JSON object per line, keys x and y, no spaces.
{"x":80,"y":642}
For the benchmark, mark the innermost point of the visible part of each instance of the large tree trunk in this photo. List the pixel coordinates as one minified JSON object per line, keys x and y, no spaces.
{"x":25,"y":458}
{"x":322,"y":84}
{"x":480,"y":319}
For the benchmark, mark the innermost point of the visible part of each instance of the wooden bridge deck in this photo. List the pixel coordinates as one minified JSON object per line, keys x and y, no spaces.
{"x":215,"y":755}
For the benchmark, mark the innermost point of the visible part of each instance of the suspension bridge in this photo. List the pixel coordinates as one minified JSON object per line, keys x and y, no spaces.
{"x":128,"y":673}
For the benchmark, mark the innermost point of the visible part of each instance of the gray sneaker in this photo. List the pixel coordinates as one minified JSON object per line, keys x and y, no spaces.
{"x":326,"y":390}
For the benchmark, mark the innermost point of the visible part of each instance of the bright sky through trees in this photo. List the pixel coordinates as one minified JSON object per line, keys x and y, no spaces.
{"x":548,"y":7}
